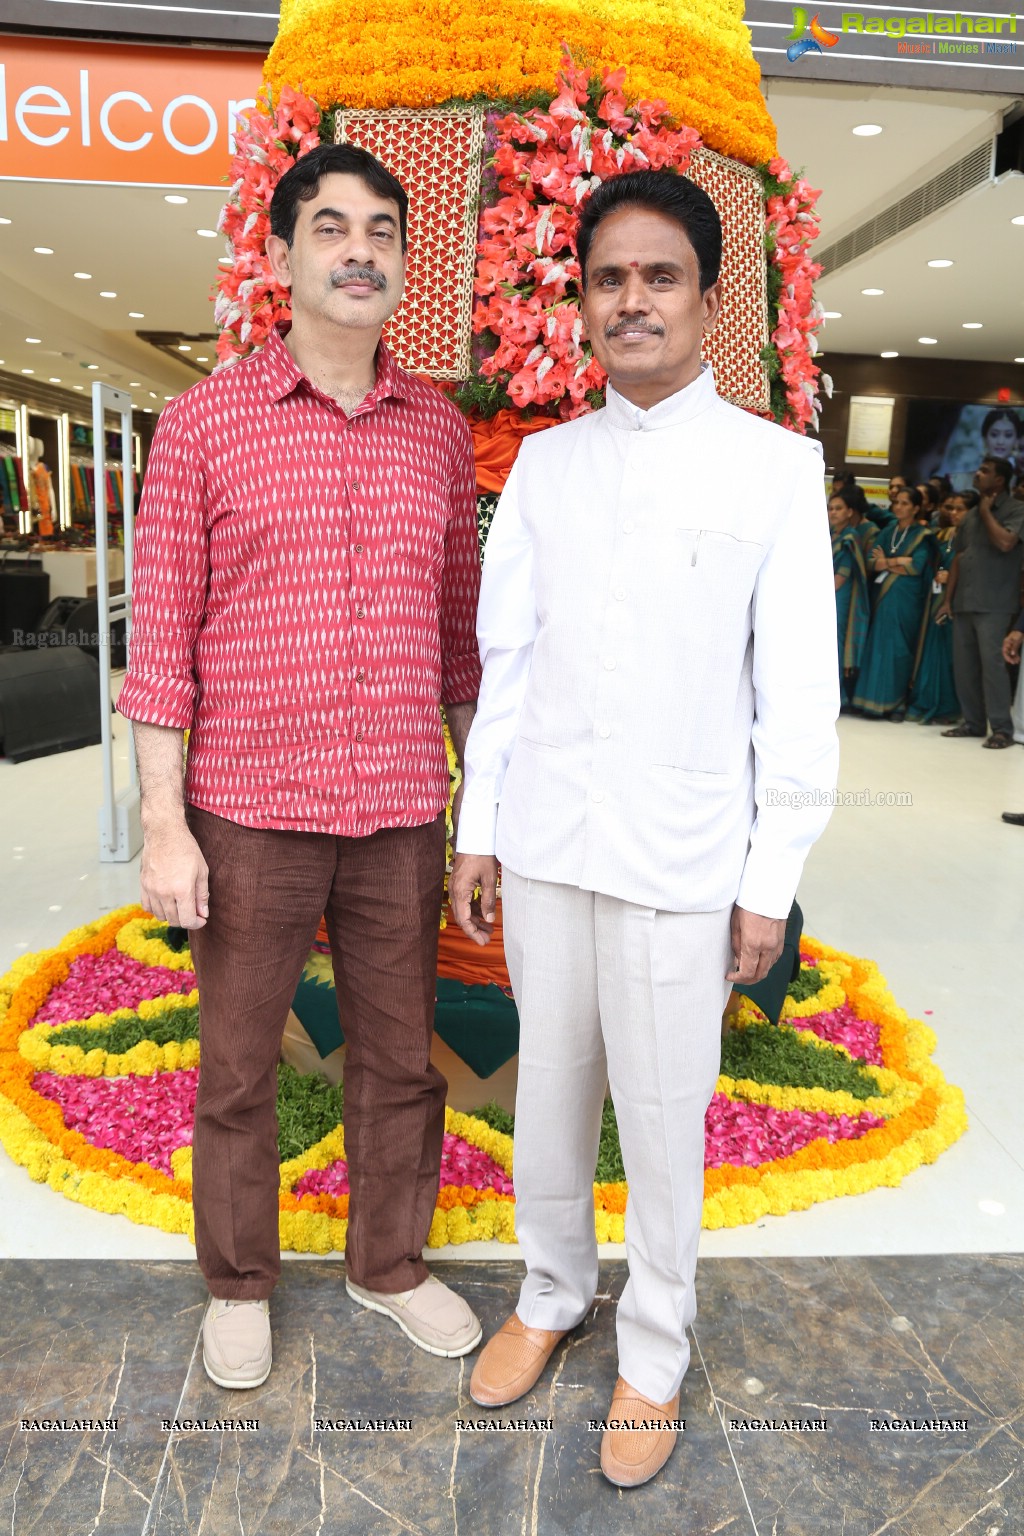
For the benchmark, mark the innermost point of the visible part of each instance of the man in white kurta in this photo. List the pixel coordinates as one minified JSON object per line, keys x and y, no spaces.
{"x":653,"y":754}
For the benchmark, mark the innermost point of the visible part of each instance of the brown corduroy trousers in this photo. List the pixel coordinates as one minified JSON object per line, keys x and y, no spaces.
{"x":381,"y":896}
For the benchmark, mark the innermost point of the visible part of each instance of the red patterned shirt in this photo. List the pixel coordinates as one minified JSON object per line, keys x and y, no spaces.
{"x":305,"y":595}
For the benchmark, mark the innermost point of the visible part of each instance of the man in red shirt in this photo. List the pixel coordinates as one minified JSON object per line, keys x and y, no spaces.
{"x":307,"y":574}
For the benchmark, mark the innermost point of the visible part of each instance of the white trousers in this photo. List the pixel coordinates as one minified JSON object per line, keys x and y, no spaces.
{"x":612,"y":993}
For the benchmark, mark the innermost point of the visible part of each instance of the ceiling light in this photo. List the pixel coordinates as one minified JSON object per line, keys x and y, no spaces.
{"x":941,"y":262}
{"x":184,"y":348}
{"x":928,"y":341}
{"x":78,"y":386}
{"x":93,"y":367}
{"x":174,"y":197}
{"x":33,"y":341}
{"x":134,"y":314}
{"x":105,"y":293}
{"x":1018,"y":220}
{"x":225,"y":261}
{"x":148,"y":410}
{"x":888,"y":354}
{"x":872,"y":293}
{"x":28,"y":370}
{"x":202,"y":359}
{"x":867,"y":130}
{"x":55,"y":381}
{"x":1019,"y":359}
{"x":168,"y":397}
{"x":207,"y":234}
{"x":134,"y":383}
{"x":86,"y":276}
{"x":5,"y":221}
{"x":971,"y":325}
{"x":43,"y":250}
{"x":152,"y":394}
{"x":832,"y":314}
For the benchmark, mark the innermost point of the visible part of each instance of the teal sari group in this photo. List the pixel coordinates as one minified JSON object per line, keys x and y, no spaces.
{"x":853,"y":606}
{"x":897,"y":624}
{"x":933,"y":695}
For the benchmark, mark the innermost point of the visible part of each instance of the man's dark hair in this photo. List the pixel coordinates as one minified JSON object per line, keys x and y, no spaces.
{"x":302,"y":183}
{"x":662,"y":192}
{"x":1002,"y":467}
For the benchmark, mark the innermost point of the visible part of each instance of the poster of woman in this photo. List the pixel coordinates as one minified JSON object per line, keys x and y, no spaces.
{"x":946,"y":437}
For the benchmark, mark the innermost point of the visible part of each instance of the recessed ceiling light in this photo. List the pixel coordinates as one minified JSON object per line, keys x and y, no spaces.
{"x":888,"y":354}
{"x":1018,"y":220}
{"x":134,"y":383}
{"x":207,"y":234}
{"x":928,"y":341}
{"x":93,"y":367}
{"x":972,"y":325}
{"x":134,"y":314}
{"x":5,"y":221}
{"x":33,"y":341}
{"x":202,"y":359}
{"x":184,"y":348}
{"x":225,"y":261}
{"x":152,"y":394}
{"x":85,"y":276}
{"x":872,"y":293}
{"x":55,"y":381}
{"x":78,"y":386}
{"x":1019,"y":359}
{"x":174,"y":197}
{"x":940,"y":262}
{"x":168,"y":397}
{"x":106,"y":293}
{"x":43,"y":250}
{"x":28,"y":370}
{"x":832,"y":314}
{"x":867,"y":130}
{"x":148,"y":410}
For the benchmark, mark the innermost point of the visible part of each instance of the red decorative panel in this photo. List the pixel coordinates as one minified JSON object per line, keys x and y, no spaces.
{"x":734,"y":348}
{"x":436,"y":155}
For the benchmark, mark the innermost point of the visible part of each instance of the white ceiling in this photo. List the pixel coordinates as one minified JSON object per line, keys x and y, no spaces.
{"x":147,"y":251}
{"x":923,"y":132}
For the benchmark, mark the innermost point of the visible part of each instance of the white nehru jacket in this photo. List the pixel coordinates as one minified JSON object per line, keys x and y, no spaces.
{"x":657,"y":628}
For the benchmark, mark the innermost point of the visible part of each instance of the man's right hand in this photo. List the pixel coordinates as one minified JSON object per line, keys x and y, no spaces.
{"x":943,"y":613}
{"x":1012,"y":646}
{"x":475,"y":918}
{"x":175,"y":879}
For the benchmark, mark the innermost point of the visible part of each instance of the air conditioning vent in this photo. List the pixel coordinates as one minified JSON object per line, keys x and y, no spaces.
{"x":972,"y":171}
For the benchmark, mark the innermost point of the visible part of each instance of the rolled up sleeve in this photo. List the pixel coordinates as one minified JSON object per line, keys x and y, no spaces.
{"x":460,"y":584}
{"x":796,"y":687}
{"x":171,"y":571}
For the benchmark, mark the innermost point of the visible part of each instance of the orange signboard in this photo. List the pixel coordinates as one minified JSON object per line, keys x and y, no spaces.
{"x":120,"y":113}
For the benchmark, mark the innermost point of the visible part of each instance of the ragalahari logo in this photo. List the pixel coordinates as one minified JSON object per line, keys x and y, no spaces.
{"x":816,"y":43}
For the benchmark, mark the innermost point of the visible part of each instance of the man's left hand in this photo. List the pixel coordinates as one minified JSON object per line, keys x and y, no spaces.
{"x":756,"y":945}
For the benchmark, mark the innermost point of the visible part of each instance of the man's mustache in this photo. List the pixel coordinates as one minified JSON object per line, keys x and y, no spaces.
{"x":633,"y":325}
{"x":359,"y":275}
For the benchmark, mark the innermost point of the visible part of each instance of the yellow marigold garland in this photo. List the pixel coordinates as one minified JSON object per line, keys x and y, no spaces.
{"x":693,"y":54}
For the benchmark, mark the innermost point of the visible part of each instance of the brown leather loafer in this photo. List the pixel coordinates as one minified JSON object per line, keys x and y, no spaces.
{"x":511,"y":1362}
{"x":639,"y":1438}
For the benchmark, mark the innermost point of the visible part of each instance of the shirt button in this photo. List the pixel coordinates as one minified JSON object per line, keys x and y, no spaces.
{"x":360,"y":613}
{"x":356,"y":485}
{"x":359,"y":735}
{"x":627,"y":526}
{"x":359,"y":549}
{"x":609,"y":664}
{"x":597,"y":796}
{"x":604,"y":732}
{"x":360,"y":675}
{"x":620,"y":594}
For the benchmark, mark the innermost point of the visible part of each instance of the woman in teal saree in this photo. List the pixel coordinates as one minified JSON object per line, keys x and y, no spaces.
{"x":902,"y":562}
{"x":853,"y":603}
{"x":933,"y":693}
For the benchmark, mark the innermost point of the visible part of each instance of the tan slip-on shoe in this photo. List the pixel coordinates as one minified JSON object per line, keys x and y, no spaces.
{"x":236,"y":1342}
{"x":511,"y":1362}
{"x":640,"y":1436}
{"x":433,"y":1316}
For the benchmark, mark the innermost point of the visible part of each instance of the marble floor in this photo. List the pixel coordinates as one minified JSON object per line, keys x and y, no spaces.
{"x":901,"y":1303}
{"x":908,"y":1369}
